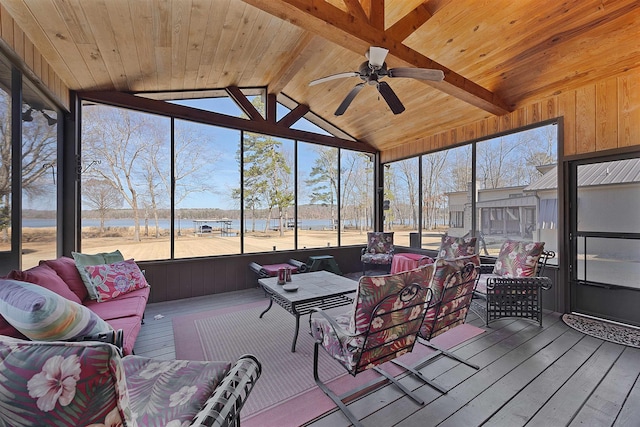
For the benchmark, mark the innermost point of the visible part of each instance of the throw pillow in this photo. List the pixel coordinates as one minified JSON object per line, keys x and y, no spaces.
{"x":65,"y":267}
{"x":47,"y":278}
{"x":83,"y":260}
{"x":43,"y":315}
{"x":111,"y":280}
{"x":518,"y":258}
{"x":454,"y":247}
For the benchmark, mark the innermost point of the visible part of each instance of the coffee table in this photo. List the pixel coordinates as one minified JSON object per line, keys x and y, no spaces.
{"x":316,"y":289}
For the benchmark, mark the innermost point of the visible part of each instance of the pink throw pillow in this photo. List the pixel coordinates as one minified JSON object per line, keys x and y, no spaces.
{"x":111,"y":280}
{"x":66,"y":268}
{"x":46,"y":277}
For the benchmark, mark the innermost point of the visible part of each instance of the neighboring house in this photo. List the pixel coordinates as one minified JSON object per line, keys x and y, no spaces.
{"x":531,"y":212}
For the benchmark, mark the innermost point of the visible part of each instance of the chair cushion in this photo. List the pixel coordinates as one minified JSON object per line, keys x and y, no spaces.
{"x":40,"y":314}
{"x":518,"y":258}
{"x":70,"y":384}
{"x":377,"y":258}
{"x":171,"y":392}
{"x":454,"y":291}
{"x":83,"y":260}
{"x":66,"y":268}
{"x":46,"y":277}
{"x":112,"y":280}
{"x":454,"y":247}
{"x":379,"y":243}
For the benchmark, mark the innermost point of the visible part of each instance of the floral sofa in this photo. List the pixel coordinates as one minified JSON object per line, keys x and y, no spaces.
{"x":52,"y":301}
{"x":90,"y":384}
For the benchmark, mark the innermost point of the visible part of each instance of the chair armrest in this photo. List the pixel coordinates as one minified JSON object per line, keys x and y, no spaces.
{"x":224,"y":405}
{"x":257,"y":268}
{"x":543,"y":283}
{"x":336,"y":328}
{"x":302,"y":267}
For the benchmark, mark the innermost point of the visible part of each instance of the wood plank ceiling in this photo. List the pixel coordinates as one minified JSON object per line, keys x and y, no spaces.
{"x":497,"y":55}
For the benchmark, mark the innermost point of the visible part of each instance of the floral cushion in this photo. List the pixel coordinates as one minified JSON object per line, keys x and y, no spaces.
{"x":40,"y":314}
{"x":68,"y":384}
{"x":454,"y":247}
{"x":111,"y":280}
{"x":518,"y":258}
{"x":379,"y":243}
{"x":170,"y":393}
{"x":385,"y":329}
{"x":83,"y":260}
{"x":453,"y":284}
{"x":377,"y":258}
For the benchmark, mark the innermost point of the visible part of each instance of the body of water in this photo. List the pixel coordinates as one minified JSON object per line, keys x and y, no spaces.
{"x":184,"y":224}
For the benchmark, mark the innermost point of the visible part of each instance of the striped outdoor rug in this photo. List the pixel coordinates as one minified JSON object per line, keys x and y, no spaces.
{"x":286,"y":385}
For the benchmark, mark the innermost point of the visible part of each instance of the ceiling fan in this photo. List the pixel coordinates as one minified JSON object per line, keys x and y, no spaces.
{"x":374,"y":69}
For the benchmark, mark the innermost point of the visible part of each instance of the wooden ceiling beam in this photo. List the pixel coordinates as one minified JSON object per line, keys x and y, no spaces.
{"x":357,"y":35}
{"x":304,"y":50}
{"x":355,"y":8}
{"x":154,"y":106}
{"x":375,"y":11}
{"x":409,"y":23}
{"x":243,"y":102}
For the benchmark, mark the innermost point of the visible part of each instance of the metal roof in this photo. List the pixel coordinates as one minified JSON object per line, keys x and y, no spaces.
{"x":605,"y":173}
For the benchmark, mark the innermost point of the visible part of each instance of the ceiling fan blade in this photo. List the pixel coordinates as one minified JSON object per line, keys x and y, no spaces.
{"x":417,"y":73}
{"x":334,"y":76}
{"x":377,"y":56}
{"x":390,"y":96}
{"x":347,"y":101}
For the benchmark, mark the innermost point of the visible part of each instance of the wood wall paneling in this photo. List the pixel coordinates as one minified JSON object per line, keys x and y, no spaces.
{"x":597,"y":117}
{"x":629,"y":110}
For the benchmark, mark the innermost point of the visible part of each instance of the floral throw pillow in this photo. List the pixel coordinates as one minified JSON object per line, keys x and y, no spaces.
{"x":111,"y":280}
{"x":518,"y":258}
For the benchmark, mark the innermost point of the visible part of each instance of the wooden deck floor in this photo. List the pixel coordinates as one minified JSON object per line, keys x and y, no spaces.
{"x":549,"y":376}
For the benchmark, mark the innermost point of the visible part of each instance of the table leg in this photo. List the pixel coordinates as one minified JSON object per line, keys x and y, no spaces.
{"x":268,"y":308}
{"x":295,"y":336}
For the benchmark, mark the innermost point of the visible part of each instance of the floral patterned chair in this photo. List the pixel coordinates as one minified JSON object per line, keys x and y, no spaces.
{"x":89,"y":384}
{"x":513,"y":286}
{"x":382,"y":324}
{"x":455,"y":247}
{"x":454,"y":281}
{"x":379,"y":250}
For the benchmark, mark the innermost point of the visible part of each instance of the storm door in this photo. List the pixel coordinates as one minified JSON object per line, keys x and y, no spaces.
{"x":605,"y":239}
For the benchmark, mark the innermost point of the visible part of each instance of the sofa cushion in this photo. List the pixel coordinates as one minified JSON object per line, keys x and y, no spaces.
{"x":83,"y":260}
{"x":130,"y":329}
{"x":518,"y":258}
{"x":41,"y":314}
{"x":120,"y":307}
{"x":46,"y":277}
{"x":112,"y":280}
{"x":65,"y":267}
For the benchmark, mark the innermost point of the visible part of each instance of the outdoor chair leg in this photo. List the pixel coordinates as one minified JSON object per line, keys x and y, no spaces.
{"x":419,"y":374}
{"x":329,"y":393}
{"x":406,"y":391}
{"x":448,"y":353}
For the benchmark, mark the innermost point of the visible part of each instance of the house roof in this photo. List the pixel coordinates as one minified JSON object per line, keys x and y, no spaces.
{"x":605,"y":173}
{"x":496,"y":56}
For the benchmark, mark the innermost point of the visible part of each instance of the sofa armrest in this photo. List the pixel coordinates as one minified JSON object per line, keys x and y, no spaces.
{"x":224,"y":405}
{"x":112,"y":337}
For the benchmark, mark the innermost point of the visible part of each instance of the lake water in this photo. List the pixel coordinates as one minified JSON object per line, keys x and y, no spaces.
{"x":309,"y":224}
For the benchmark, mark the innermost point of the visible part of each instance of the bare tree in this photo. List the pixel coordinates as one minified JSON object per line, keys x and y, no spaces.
{"x":101,"y":196}
{"x":323,"y":179}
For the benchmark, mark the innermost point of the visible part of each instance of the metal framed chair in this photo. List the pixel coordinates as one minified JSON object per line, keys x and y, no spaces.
{"x":379,"y":250}
{"x":383,"y":324}
{"x":454,"y":281}
{"x":513,"y":286}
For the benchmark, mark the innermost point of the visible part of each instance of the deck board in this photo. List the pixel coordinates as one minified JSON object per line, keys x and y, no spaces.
{"x":528,"y":375}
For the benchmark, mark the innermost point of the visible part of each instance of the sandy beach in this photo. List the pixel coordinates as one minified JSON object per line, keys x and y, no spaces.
{"x":189,"y":245}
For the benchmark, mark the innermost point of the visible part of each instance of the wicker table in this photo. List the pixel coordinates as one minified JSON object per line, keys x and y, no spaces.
{"x":316,"y":289}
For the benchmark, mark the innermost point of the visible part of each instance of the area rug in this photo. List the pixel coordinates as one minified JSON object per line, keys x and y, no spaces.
{"x":286,"y":393}
{"x":604,"y":330}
